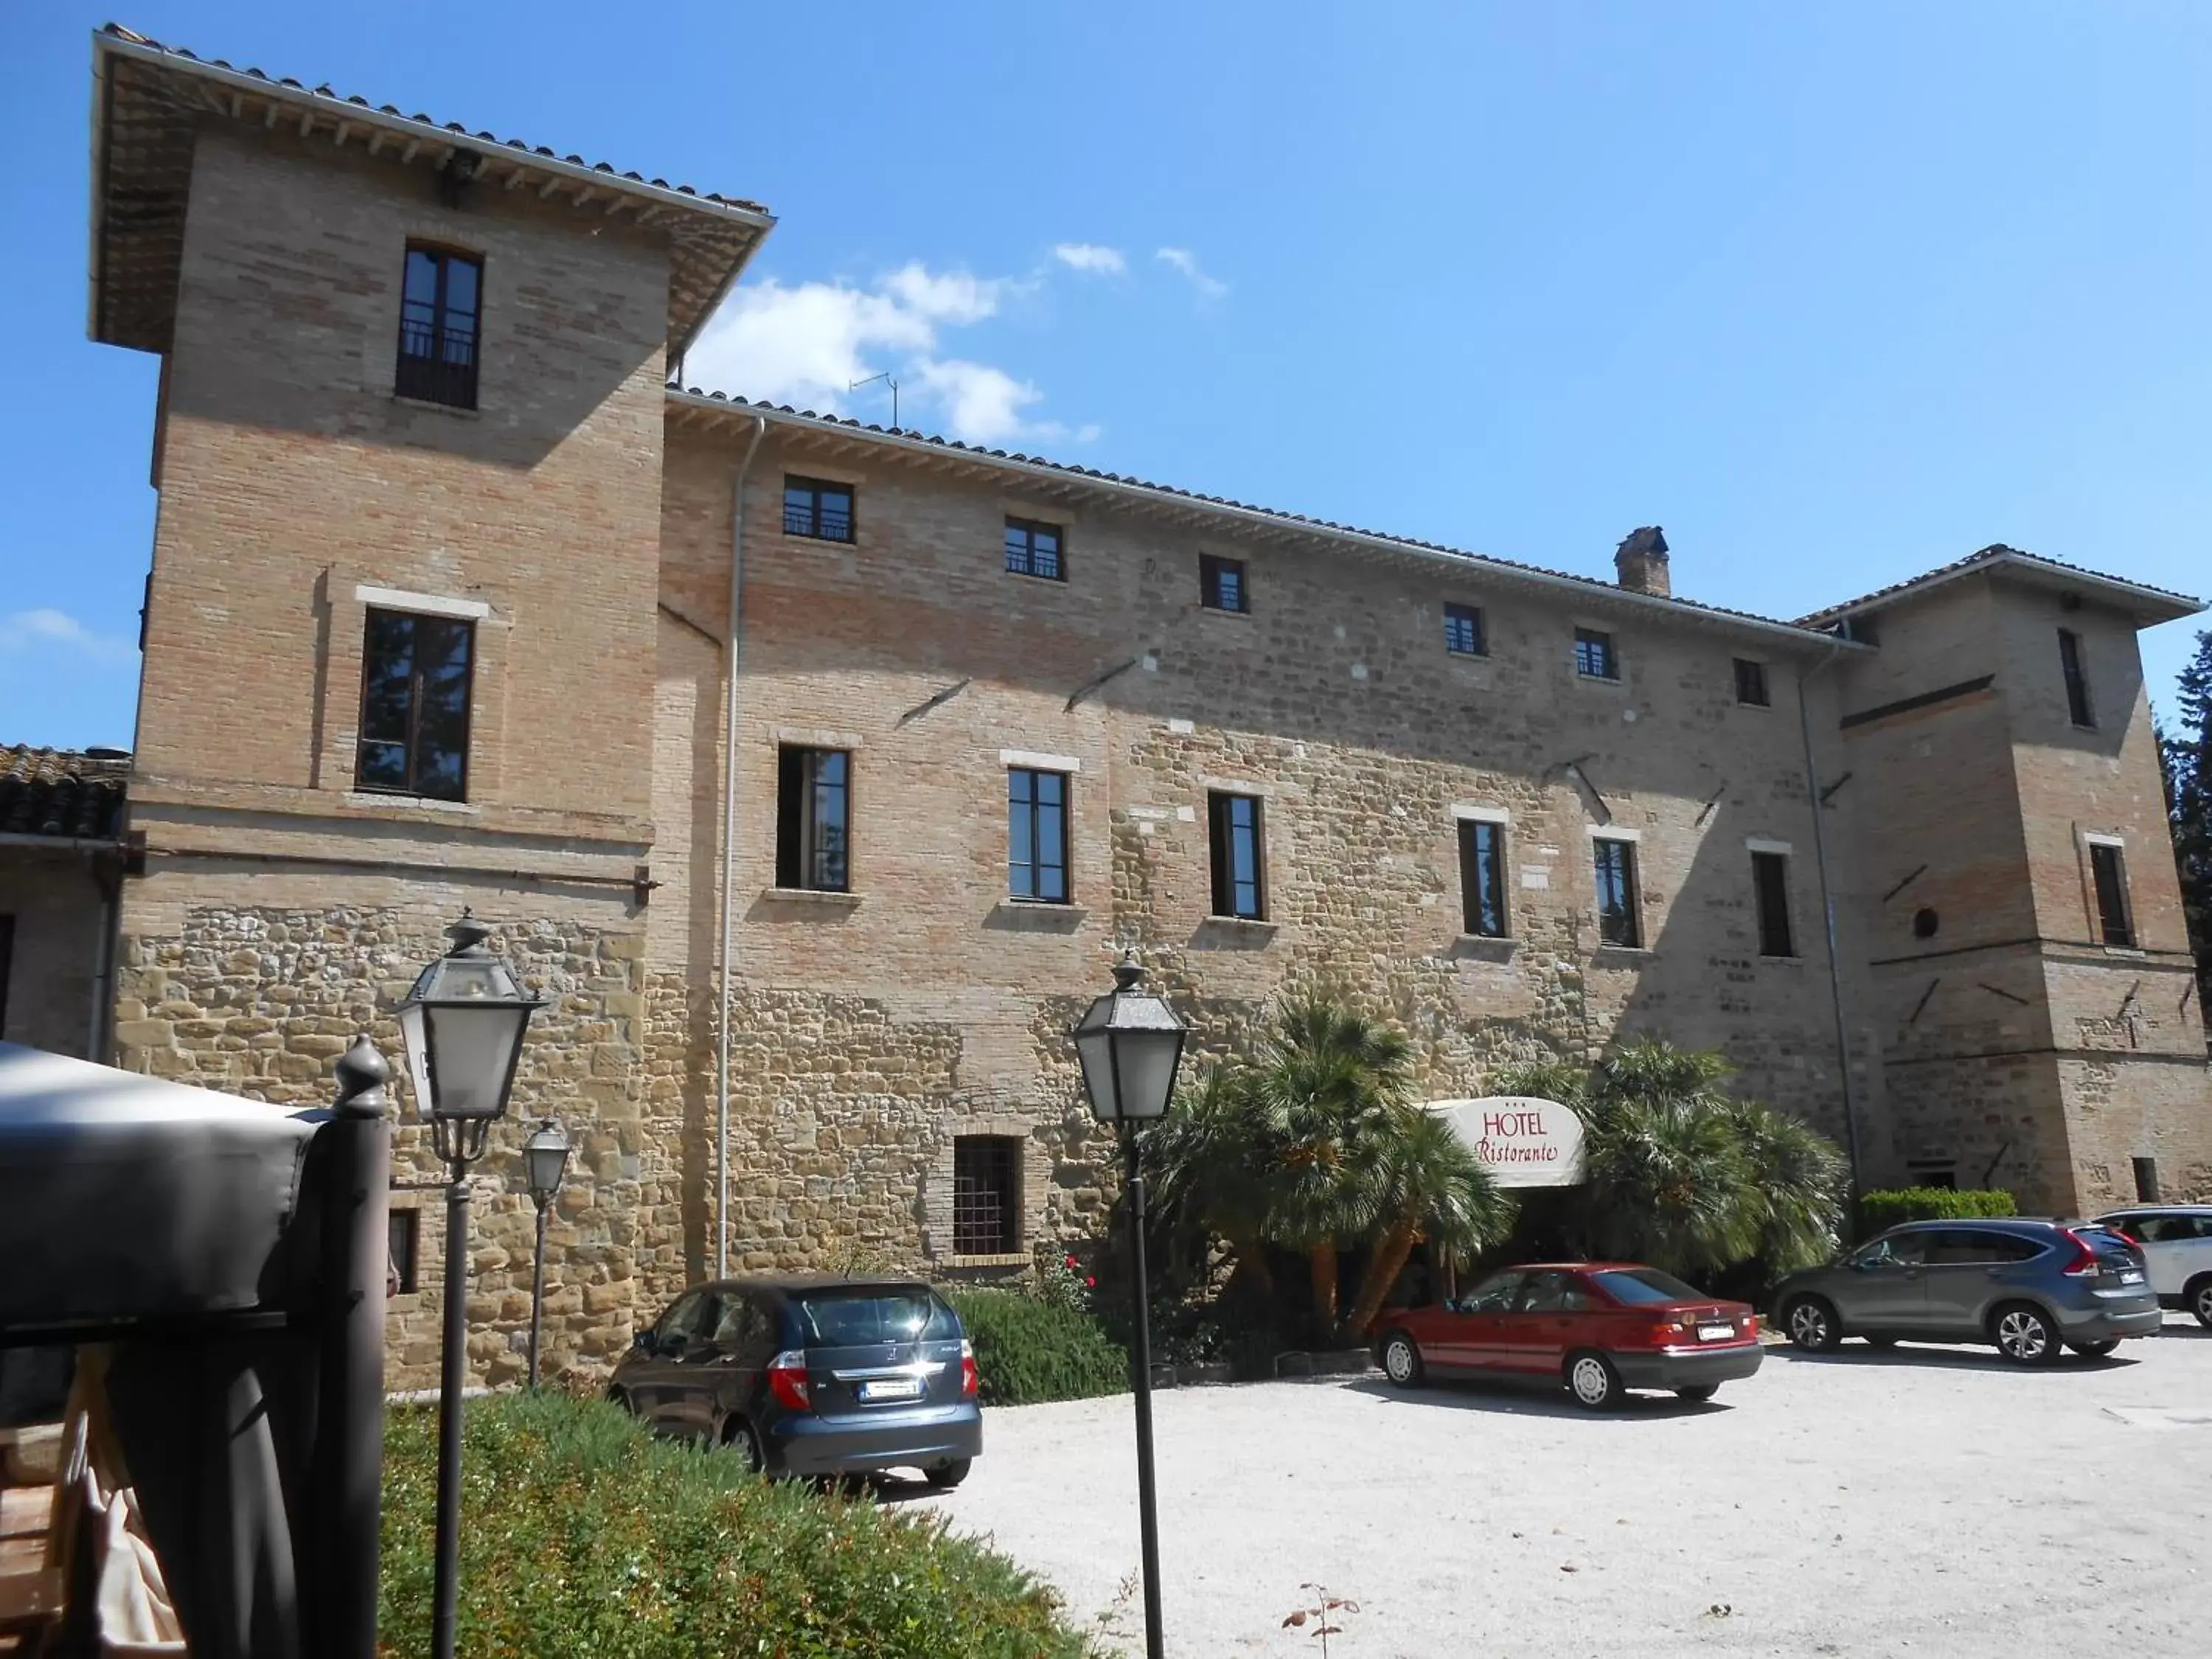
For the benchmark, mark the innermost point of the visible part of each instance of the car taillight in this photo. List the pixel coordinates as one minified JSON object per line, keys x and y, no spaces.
{"x":2129,"y":1239}
{"x":971,"y":1378}
{"x":2085,"y":1264}
{"x":1666,"y":1329}
{"x":787,"y":1379}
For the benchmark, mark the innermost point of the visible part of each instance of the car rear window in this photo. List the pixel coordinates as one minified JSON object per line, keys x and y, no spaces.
{"x":1639,"y":1286}
{"x":851,"y":1319}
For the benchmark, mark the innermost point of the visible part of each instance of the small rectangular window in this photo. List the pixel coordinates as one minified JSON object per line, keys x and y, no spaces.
{"x":1036,"y":835}
{"x":2146,"y":1172}
{"x":816,"y":508}
{"x":2077,"y":679}
{"x":813,"y":809}
{"x":1593,"y":657}
{"x":1615,"y":862}
{"x":1463,"y":631}
{"x":1770,"y":884}
{"x":1033,"y":549}
{"x":2111,"y":874}
{"x":986,"y":1196}
{"x":1239,"y":886}
{"x":1751,"y":682}
{"x":1482,"y":877}
{"x":415,"y":685}
{"x":403,"y":1229}
{"x":439,"y":302}
{"x":1221,"y":585}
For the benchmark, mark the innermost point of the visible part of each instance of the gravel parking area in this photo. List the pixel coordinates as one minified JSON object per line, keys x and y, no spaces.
{"x":1923,"y":1501}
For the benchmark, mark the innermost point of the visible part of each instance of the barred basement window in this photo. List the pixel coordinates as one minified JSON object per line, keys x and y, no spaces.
{"x":1033,"y":549}
{"x":1750,"y":683}
{"x":816,"y":509}
{"x":415,"y":684}
{"x":986,"y":1196}
{"x":440,"y":299}
{"x":1463,"y":631}
{"x":1615,"y":862}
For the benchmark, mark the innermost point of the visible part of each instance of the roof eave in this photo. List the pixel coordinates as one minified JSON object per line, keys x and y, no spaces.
{"x":2150,"y":606}
{"x":1588,"y":589}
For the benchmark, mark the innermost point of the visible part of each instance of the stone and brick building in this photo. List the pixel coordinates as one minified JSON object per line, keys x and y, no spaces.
{"x":818,"y":772}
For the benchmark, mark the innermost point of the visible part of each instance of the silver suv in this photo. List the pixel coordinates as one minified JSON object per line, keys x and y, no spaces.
{"x":2176,"y":1243}
{"x":2030,"y":1287}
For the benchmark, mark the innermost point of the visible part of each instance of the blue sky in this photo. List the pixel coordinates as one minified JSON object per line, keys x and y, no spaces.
{"x":1833,"y":294}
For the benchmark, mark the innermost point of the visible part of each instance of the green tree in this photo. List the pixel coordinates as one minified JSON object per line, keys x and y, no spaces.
{"x":1684,"y":1175}
{"x":2187,"y":762}
{"x":1435,"y":1193}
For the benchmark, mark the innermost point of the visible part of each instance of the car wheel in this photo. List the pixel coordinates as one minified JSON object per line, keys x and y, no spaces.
{"x":2024,"y":1335}
{"x":2094,"y":1350}
{"x":1401,"y":1360}
{"x":1699,"y":1394}
{"x":621,"y":1401}
{"x":1592,"y":1380}
{"x":742,"y":1440}
{"x":946,"y":1476}
{"x":2199,"y":1299}
{"x":1812,"y":1323}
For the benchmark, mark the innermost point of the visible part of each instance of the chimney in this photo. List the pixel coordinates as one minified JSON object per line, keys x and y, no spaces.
{"x":1641,"y":560}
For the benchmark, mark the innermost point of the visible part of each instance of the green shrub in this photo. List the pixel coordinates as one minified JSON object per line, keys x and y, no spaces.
{"x":584,"y":1538}
{"x":1881,"y":1210}
{"x":1028,"y":1351}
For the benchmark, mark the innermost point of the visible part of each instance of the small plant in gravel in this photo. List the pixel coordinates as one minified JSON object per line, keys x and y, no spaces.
{"x":1322,"y":1613}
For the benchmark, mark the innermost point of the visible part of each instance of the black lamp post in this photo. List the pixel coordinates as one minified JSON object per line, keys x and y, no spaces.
{"x":544,"y":1157}
{"x":464,"y":1023}
{"x":1130,"y":1043}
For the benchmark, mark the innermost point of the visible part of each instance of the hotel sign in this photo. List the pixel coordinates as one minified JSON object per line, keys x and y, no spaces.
{"x":1521,"y":1141}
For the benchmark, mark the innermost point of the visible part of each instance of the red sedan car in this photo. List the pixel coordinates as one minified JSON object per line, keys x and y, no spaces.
{"x":1597,"y":1328}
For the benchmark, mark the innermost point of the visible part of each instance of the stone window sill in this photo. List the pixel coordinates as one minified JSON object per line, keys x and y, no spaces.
{"x":1609,"y":950}
{"x":1603,"y":682}
{"x":382,"y":802}
{"x":1244,"y":616}
{"x":1782,"y":961}
{"x":2134,"y":951}
{"x":809,"y":895}
{"x":436,"y":408}
{"x":1257,"y":926}
{"x":1016,"y":1259}
{"x":1014,"y":916}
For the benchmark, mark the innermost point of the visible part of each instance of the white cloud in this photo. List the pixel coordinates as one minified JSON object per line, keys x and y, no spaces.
{"x":1089,"y":256}
{"x":807,"y":342}
{"x":25,"y":631}
{"x":1187,"y":261}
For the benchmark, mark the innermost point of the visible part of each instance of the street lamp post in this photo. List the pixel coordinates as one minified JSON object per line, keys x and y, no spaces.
{"x":463,"y":1024}
{"x":1130,"y":1043}
{"x":544,"y":1157}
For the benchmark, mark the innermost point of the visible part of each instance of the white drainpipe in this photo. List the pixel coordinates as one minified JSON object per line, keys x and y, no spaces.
{"x":729,"y":838}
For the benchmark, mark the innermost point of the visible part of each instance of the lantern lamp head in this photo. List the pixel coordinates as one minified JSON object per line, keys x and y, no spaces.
{"x":1130,"y":1042}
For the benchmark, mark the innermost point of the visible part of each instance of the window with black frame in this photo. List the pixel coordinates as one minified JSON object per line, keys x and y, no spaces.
{"x":1593,"y":655}
{"x":1482,"y":877}
{"x":1221,"y":584}
{"x":1036,"y":835}
{"x":1463,"y":630}
{"x":415,"y":684}
{"x":819,"y":509}
{"x":1239,"y":886}
{"x":1614,"y":863}
{"x":813,"y":814}
{"x":1750,"y":683}
{"x":1033,"y":549}
{"x":441,"y":318}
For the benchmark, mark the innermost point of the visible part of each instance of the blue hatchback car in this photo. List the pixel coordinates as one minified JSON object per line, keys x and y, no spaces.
{"x":811,"y":1375}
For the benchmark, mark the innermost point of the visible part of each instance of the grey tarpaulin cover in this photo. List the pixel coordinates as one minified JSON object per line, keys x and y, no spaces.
{"x":124,"y":1197}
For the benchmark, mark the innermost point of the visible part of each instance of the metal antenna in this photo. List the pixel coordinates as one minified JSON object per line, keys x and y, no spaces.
{"x":885,"y":377}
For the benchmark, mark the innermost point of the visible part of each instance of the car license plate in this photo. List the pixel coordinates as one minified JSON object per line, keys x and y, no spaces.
{"x":892,"y":1388}
{"x":1715,"y":1332}
{"x":2130,"y":1276}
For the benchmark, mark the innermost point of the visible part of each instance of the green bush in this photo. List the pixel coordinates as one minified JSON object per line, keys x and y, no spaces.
{"x":1881,"y":1210}
{"x":584,"y":1538}
{"x":1028,"y":1351}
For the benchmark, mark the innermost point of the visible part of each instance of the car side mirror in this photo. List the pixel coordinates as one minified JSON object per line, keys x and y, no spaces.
{"x":642,"y":1342}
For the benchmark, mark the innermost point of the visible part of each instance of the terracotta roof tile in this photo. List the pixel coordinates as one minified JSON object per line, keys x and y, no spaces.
{"x":61,"y":793}
{"x":1995,"y":553}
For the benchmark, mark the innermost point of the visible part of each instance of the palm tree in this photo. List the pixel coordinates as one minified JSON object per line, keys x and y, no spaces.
{"x":1437,"y":1192}
{"x":1210,"y":1158}
{"x":1798,"y":1180}
{"x":1328,"y":1083}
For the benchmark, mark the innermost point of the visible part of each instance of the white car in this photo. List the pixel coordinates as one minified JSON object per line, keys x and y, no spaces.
{"x":2177,"y":1246}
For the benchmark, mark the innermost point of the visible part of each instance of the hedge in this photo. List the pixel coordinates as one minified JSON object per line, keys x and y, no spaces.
{"x":583,"y":1537}
{"x":1028,"y":1351}
{"x":1881,"y":1210}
